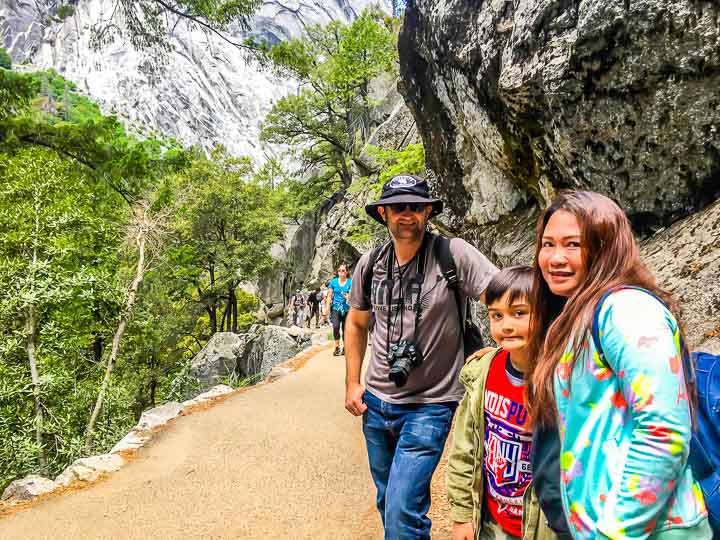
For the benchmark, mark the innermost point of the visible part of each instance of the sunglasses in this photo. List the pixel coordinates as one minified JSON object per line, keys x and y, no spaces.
{"x":400,"y":207}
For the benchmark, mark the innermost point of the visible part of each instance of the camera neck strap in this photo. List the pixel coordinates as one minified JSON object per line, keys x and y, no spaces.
{"x":415,"y":288}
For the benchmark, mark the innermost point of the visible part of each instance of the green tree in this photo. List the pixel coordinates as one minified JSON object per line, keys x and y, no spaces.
{"x":225,"y":226}
{"x":5,"y":60}
{"x":328,"y":120}
{"x":53,"y":221}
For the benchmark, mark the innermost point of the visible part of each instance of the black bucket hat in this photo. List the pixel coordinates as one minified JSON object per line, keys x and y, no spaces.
{"x":405,"y":188}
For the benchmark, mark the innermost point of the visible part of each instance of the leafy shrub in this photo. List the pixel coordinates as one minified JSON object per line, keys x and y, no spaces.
{"x":5,"y":60}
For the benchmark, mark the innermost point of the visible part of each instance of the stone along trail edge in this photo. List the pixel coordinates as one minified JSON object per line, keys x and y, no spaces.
{"x":283,"y":460}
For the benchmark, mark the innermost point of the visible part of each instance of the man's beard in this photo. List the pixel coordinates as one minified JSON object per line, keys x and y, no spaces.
{"x":407,"y":233}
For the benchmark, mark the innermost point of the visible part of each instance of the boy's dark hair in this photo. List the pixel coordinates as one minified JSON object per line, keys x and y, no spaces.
{"x":517,"y":280}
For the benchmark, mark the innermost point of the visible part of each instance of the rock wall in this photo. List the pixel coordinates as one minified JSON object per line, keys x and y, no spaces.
{"x":517,"y":99}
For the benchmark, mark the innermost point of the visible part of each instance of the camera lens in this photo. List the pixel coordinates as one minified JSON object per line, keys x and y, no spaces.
{"x":399,"y":371}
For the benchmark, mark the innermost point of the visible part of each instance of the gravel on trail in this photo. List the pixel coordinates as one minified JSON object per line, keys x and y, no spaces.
{"x":282,"y":460}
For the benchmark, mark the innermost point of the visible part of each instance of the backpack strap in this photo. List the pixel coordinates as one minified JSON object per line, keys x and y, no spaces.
{"x":449,"y":272}
{"x":595,"y":333}
{"x":367,"y":274}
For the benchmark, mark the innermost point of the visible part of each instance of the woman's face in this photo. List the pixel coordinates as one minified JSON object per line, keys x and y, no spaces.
{"x":561,"y":255}
{"x":342,"y":271}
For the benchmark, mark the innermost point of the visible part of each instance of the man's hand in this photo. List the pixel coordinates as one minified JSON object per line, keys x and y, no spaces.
{"x":463,"y":531}
{"x":353,"y":399}
{"x":479,"y":354}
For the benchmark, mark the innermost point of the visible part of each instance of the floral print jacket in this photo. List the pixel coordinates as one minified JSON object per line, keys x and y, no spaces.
{"x":625,"y":426}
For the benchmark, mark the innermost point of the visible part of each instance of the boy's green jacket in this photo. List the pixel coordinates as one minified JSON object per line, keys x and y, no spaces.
{"x":465,"y":479}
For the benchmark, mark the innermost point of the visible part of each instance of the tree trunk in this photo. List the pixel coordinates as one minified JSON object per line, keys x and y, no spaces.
{"x":140,"y":240}
{"x":97,"y":348}
{"x":234,"y":312}
{"x":212,"y":314}
{"x":31,"y":336}
{"x":225,"y":327}
{"x":345,"y":175}
{"x":213,"y":305}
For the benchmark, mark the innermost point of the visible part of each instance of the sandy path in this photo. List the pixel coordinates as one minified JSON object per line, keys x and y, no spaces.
{"x":282,"y":460}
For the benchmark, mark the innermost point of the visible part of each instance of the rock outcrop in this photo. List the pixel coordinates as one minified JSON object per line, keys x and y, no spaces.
{"x":267,"y":346}
{"x":218,"y":358}
{"x":515,"y":100}
{"x":229,"y":356}
{"x":686,"y":259}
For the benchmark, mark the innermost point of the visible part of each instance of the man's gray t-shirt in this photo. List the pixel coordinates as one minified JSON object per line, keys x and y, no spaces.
{"x":439,"y":332}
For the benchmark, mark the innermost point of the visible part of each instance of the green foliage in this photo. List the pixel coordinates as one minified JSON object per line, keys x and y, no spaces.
{"x":73,"y":126}
{"x":5,"y":60}
{"x":65,"y":11}
{"x":16,"y":91}
{"x":224,"y":227}
{"x":409,"y":160}
{"x":60,"y":233}
{"x":328,"y":120}
{"x":68,"y":173}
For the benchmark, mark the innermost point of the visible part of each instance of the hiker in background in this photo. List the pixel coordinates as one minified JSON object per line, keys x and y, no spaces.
{"x":338,"y":307}
{"x":297,"y":305}
{"x":314,"y":300}
{"x":324,"y":311}
{"x":488,"y":469}
{"x":624,"y":403}
{"x":411,"y":385}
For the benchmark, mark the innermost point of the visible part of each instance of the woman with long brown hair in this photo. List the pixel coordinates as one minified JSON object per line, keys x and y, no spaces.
{"x":623,"y":410}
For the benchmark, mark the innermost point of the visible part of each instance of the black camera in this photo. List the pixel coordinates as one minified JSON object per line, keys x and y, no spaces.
{"x":403,"y":358}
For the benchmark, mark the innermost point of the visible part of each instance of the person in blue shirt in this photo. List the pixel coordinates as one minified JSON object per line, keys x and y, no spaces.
{"x":336,"y":302}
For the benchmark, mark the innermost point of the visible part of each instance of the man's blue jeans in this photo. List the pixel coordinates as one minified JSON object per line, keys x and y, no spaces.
{"x":405,"y":443}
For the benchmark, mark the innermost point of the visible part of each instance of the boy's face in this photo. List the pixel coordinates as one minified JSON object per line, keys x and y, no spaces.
{"x":510,"y":324}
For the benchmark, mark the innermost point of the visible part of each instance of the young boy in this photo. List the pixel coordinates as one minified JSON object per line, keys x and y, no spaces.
{"x":489,"y":462}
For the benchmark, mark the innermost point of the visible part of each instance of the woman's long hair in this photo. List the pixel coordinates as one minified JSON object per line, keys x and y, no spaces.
{"x":611,"y":257}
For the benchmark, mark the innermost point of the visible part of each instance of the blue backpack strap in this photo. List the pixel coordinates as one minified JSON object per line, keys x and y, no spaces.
{"x":685,"y":353}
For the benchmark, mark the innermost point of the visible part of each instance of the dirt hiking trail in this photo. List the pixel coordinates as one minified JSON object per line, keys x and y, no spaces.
{"x":283,"y":460}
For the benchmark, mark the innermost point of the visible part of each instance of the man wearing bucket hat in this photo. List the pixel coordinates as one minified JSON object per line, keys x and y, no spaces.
{"x":411,"y":385}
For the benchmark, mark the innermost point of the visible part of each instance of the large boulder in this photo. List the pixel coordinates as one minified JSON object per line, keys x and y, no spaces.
{"x":267,"y":346}
{"x":229,"y":356}
{"x":218,"y":359}
{"x":517,"y":99}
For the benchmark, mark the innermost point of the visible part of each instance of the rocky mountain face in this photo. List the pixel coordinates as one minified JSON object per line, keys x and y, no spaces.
{"x":207,"y":92}
{"x":516,"y":100}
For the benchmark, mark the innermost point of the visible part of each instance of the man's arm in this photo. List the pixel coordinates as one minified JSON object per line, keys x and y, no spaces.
{"x":356,"y":334}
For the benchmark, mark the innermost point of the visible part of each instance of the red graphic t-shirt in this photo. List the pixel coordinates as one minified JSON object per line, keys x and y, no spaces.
{"x":507,"y":444}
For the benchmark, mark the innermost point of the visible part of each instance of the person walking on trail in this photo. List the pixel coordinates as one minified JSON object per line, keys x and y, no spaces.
{"x":298,"y":308}
{"x":324,"y":311}
{"x":337,"y":304}
{"x":314,"y":300}
{"x":412,"y":385}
